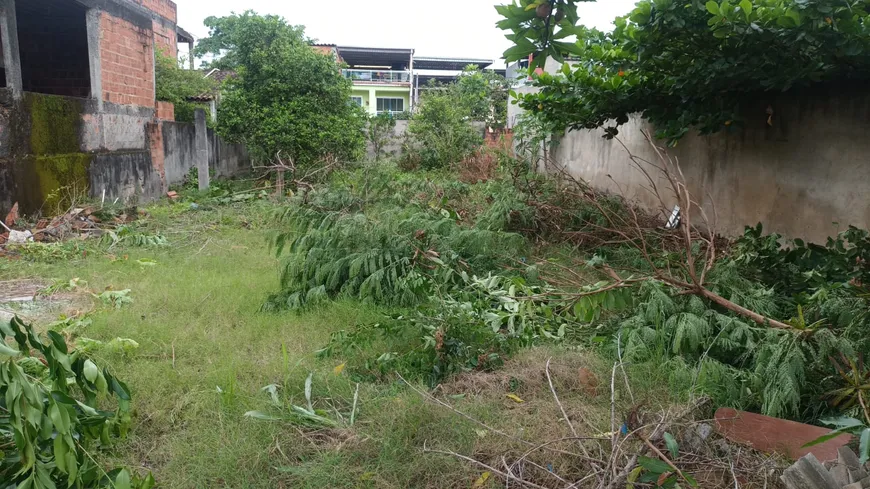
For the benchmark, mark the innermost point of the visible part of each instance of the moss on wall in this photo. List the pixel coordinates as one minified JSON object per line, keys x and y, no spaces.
{"x":63,"y":180}
{"x":54,"y":124}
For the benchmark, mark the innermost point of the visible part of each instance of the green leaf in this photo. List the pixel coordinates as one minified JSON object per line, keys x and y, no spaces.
{"x":122,"y":481}
{"x":712,"y":7}
{"x":864,"y":446}
{"x":672,"y":445}
{"x":308,"y":382}
{"x":60,"y":451}
{"x":654,"y":465}
{"x":261,"y":416}
{"x":746,"y":5}
{"x":842,"y":422}
{"x":7,"y":350}
{"x":825,"y":438}
{"x":91,"y":371}
{"x":148,"y":483}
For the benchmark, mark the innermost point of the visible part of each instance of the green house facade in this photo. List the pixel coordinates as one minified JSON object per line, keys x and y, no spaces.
{"x":388,"y":80}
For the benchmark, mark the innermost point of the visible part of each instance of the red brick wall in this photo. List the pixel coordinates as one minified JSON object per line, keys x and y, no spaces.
{"x":166,"y":111}
{"x":164,"y":8}
{"x":166,"y":39}
{"x":127,"y":62}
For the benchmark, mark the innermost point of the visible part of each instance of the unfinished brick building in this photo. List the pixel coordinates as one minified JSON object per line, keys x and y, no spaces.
{"x":78,"y":114}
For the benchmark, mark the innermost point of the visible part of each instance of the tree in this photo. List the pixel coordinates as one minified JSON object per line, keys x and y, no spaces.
{"x":441,"y":132}
{"x":380,"y":130}
{"x":175,"y":84}
{"x":286,"y":99}
{"x":684,"y":64}
{"x":485,"y":93}
{"x":226,"y":42}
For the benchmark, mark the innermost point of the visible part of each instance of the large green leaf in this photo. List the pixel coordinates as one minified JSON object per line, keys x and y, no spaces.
{"x":654,"y":465}
{"x":7,"y":350}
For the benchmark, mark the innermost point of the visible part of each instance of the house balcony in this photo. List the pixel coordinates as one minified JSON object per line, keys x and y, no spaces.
{"x":378,"y":77}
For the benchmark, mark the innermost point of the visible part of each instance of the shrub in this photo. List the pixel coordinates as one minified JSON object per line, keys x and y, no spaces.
{"x":440,"y":132}
{"x":380,"y":130}
{"x":286,"y":97}
{"x":175,"y":84}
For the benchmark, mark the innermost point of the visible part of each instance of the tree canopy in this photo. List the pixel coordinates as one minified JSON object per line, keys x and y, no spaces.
{"x":286,"y":97}
{"x":485,"y":95}
{"x":175,"y":84}
{"x":683,"y":64}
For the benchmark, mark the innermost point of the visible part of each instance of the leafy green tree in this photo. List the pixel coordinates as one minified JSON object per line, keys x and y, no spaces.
{"x":228,"y":36}
{"x":684,"y":64}
{"x":175,"y":84}
{"x":285,"y":98}
{"x":440,"y":132}
{"x":485,"y":94}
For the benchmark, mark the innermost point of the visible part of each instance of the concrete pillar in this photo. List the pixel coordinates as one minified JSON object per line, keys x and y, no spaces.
{"x":11,"y":57}
{"x":212,"y":107}
{"x":201,"y":149}
{"x":190,"y":55}
{"x":93,"y":25}
{"x":373,"y":101}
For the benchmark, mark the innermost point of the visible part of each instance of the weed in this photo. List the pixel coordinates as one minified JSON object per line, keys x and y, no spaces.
{"x":128,"y":235}
{"x":49,"y":252}
{"x":115,"y":298}
{"x":306,"y":416}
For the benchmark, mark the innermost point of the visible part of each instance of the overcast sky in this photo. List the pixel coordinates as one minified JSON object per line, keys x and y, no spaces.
{"x":464,"y":28}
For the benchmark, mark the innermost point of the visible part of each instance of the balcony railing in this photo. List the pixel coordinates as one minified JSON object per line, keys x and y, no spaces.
{"x":378,"y":76}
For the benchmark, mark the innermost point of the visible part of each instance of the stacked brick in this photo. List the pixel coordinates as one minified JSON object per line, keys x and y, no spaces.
{"x":164,"y":8}
{"x":126,"y":62}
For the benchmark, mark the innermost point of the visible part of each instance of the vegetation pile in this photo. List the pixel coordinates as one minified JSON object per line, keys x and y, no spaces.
{"x":472,"y":272}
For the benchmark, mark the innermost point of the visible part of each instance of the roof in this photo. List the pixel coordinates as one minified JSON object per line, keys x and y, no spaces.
{"x":183,"y":35}
{"x":451,"y":64}
{"x":358,"y":56}
{"x":219,"y":76}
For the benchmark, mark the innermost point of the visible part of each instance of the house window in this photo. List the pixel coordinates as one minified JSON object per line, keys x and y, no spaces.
{"x":357,"y":100}
{"x":53,"y":46}
{"x":391,"y":105}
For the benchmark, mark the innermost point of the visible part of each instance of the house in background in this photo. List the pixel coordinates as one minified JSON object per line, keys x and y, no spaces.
{"x":388,"y":80}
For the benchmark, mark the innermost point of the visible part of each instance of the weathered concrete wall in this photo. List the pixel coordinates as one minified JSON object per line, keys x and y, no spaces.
{"x":128,"y":176}
{"x":394,"y":144}
{"x":58,"y":149}
{"x":807,"y":174}
{"x":179,"y":147}
{"x":179,"y":150}
{"x":225,"y":159}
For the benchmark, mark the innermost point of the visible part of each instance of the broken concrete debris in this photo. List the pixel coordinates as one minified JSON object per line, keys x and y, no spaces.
{"x":846,"y":473}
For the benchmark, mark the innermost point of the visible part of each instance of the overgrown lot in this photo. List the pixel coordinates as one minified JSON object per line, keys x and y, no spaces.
{"x":267,"y":343}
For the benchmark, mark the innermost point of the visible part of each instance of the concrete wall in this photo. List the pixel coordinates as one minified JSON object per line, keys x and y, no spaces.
{"x":225,"y":159}
{"x":806,"y":174}
{"x":394,"y":145}
{"x":50,"y":142}
{"x":179,"y":146}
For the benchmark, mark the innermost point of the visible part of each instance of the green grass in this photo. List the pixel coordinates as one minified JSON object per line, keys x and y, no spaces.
{"x":206,"y":351}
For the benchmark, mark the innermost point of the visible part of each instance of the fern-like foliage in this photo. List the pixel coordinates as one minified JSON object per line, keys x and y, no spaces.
{"x":393,"y":258}
{"x":779,"y":372}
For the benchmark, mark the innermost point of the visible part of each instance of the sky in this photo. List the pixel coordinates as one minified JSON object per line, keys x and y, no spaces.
{"x":464,"y":28}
